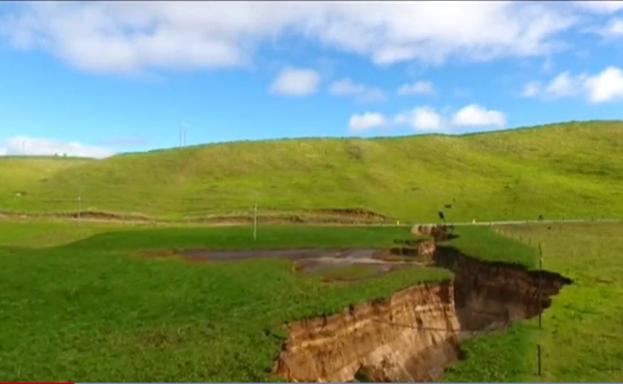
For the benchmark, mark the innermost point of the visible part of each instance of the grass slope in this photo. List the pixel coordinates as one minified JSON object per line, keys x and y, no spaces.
{"x":570,"y":170}
{"x":581,"y":335}
{"x":19,"y":175}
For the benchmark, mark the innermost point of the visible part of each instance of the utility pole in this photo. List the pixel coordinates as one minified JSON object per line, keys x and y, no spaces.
{"x":79,"y":206}
{"x":538,"y":352}
{"x":255,"y":222}
{"x":80,"y":198}
{"x":539,"y":286}
{"x":538,"y":347}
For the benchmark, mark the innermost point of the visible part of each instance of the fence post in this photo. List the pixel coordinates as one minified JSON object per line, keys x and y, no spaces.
{"x":538,"y":352}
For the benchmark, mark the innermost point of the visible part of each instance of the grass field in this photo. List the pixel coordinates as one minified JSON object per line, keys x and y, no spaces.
{"x":581,"y":336}
{"x":518,"y":174}
{"x":111,"y":301}
{"x":96,"y":310}
{"x":88,"y":302}
{"x":488,"y":245}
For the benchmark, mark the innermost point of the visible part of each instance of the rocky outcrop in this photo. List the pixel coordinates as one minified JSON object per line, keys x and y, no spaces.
{"x":411,"y":336}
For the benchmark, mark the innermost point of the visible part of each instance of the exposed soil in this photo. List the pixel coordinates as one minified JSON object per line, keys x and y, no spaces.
{"x":339,"y":216}
{"x":438,"y":232}
{"x":407,"y":337}
{"x":353,"y":213}
{"x":492,"y":295}
{"x":318,"y":217}
{"x":416,"y":333}
{"x":91,"y":216}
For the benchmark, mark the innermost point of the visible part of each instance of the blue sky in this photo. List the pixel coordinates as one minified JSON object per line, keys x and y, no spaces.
{"x":100,"y":78}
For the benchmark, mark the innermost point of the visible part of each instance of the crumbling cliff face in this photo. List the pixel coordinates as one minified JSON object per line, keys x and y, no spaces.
{"x":424,"y":249}
{"x":415,"y":334}
{"x":411,"y":336}
{"x":492,"y":295}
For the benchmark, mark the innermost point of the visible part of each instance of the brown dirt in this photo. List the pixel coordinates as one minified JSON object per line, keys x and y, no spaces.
{"x":414,"y":335}
{"x":492,"y":295}
{"x":386,"y":339}
{"x":355,"y":213}
{"x":438,"y":232}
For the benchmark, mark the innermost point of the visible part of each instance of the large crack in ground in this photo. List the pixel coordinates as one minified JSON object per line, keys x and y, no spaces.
{"x":415,"y":334}
{"x":491,"y":295}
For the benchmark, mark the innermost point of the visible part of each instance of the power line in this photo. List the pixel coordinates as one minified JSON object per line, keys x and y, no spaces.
{"x":538,"y":346}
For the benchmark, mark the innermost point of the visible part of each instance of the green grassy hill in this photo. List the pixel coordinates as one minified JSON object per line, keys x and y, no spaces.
{"x":572,"y":170}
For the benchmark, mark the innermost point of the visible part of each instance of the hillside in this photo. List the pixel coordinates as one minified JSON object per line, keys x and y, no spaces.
{"x":572,"y":170}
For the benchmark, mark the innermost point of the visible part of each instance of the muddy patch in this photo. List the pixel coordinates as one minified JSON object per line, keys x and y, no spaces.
{"x":330,"y":264}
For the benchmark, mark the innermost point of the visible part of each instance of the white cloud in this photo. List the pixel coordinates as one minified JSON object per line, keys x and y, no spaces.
{"x":432,"y":32}
{"x":531,"y":89}
{"x":361,"y":92}
{"x":428,"y":119}
{"x":562,"y":85}
{"x":601,"y":6}
{"x":346,"y":87}
{"x":605,"y":86}
{"x":613,"y":30}
{"x":421,"y":119}
{"x":474,"y":115}
{"x":417,"y":88}
{"x":128,"y":37}
{"x":366,"y":121}
{"x":23,"y":145}
{"x":296,"y":82}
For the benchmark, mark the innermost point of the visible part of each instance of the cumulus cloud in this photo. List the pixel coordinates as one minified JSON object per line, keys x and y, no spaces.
{"x":366,"y":121}
{"x":605,"y":86}
{"x":127,"y":37}
{"x":361,"y":92}
{"x":421,"y":119}
{"x":474,"y":115}
{"x":563,"y":85}
{"x":417,"y":88}
{"x":296,"y":82}
{"x":428,"y":119}
{"x":601,"y":87}
{"x":23,"y":145}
